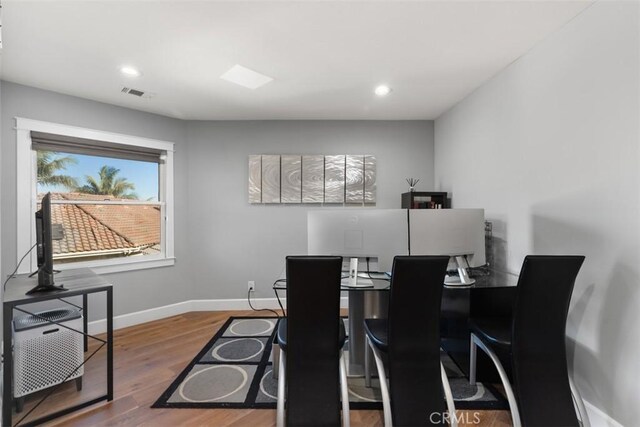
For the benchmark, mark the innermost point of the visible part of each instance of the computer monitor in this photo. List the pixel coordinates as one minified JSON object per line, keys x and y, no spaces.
{"x":377,"y":234}
{"x":44,"y":240}
{"x":458,"y":233}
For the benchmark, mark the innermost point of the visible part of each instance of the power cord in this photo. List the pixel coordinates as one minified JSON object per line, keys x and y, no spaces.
{"x":12,"y":275}
{"x":369,"y":273}
{"x":275,"y":291}
{"x":261,"y":309}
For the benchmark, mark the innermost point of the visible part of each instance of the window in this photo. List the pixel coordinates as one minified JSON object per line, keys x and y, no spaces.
{"x":111,"y":193}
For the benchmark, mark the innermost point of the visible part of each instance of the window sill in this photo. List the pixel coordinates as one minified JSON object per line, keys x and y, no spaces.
{"x":120,"y":266}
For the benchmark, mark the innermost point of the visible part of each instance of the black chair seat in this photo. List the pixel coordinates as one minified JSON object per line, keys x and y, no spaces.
{"x":281,"y":336}
{"x":378,"y":332}
{"x":496,"y":331}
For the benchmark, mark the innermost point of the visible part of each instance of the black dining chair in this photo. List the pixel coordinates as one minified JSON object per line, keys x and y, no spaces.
{"x":534,"y":341}
{"x":418,"y":393}
{"x":312,"y":378}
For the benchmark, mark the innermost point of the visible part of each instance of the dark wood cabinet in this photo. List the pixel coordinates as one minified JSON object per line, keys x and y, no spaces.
{"x":425,"y":200}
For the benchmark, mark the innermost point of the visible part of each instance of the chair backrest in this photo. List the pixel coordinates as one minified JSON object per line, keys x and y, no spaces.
{"x":415,"y":381}
{"x":312,"y":358}
{"x":539,"y":361}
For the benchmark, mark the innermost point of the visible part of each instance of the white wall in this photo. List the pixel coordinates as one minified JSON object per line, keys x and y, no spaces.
{"x":550,"y":148}
{"x":233,"y":241}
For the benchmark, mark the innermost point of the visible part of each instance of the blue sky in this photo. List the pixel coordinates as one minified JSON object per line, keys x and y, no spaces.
{"x":144,"y":175}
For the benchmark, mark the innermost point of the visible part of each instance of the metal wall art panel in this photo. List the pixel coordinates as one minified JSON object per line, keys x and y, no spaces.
{"x":313,"y":179}
{"x":291,"y":179}
{"x":255,"y":179}
{"x":370,"y":173}
{"x":334,"y":169}
{"x":354,"y":181}
{"x":270,"y":179}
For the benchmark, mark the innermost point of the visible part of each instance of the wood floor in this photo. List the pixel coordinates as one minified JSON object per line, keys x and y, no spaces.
{"x":148,"y":358}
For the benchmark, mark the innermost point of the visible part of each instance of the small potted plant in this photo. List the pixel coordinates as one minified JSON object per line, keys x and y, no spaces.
{"x":412,"y":183}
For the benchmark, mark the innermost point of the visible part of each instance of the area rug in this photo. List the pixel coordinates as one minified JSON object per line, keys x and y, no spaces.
{"x":235,"y":370}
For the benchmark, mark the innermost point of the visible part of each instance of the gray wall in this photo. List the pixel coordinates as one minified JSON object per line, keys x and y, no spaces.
{"x":233,"y":241}
{"x":133,"y":291}
{"x":221,"y":241}
{"x":551,"y":149}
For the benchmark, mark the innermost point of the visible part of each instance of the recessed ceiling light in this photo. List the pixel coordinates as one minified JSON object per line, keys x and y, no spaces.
{"x":245,"y":77}
{"x":130,"y":71}
{"x":383,"y":90}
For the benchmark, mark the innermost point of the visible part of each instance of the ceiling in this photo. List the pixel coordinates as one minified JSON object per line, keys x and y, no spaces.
{"x":325,"y":57}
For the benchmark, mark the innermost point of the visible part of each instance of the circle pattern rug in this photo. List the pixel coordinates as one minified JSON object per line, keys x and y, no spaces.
{"x":235,"y":370}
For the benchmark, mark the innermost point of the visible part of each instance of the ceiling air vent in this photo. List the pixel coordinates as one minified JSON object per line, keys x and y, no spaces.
{"x":138,"y":93}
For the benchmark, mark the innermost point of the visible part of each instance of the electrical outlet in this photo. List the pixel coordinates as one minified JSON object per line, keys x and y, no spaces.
{"x":251,"y":286}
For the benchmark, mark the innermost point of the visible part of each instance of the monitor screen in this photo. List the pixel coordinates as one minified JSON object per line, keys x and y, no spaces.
{"x":377,"y":234}
{"x":448,"y":232}
{"x":44,"y":240}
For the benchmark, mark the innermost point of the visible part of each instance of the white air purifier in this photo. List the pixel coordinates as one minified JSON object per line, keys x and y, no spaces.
{"x":46,"y":354}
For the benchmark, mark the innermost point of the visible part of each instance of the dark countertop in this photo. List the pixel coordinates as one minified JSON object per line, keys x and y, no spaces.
{"x":494,"y":280}
{"x":76,"y":281}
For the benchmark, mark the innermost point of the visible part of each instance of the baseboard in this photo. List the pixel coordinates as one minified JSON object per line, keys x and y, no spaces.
{"x":138,"y":317}
{"x":598,"y":418}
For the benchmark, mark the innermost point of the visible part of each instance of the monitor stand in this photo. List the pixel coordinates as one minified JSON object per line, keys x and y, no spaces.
{"x":45,"y":283}
{"x":49,"y":288}
{"x":463,"y":278}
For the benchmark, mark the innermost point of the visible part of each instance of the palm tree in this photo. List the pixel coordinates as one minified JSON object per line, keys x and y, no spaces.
{"x":49,"y":163}
{"x":108,"y":184}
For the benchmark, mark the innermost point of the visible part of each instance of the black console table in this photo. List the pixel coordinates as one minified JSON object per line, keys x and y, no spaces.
{"x":78,"y":282}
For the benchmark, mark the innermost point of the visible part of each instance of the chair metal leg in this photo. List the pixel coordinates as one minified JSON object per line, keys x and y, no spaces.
{"x":344,"y":388}
{"x":472,"y":361}
{"x":577,"y":398}
{"x":451,"y":407}
{"x":386,"y":399}
{"x":367,"y":364}
{"x":513,"y":405}
{"x":281,"y":387}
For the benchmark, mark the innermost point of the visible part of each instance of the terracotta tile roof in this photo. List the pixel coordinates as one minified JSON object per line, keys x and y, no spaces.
{"x":83,"y":233}
{"x":91,"y":228}
{"x":140,"y":224}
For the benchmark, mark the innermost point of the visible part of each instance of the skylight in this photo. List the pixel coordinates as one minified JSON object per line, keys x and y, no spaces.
{"x":245,"y":77}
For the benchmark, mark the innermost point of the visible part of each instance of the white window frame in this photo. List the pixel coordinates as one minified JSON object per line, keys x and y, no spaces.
{"x":26,"y":184}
